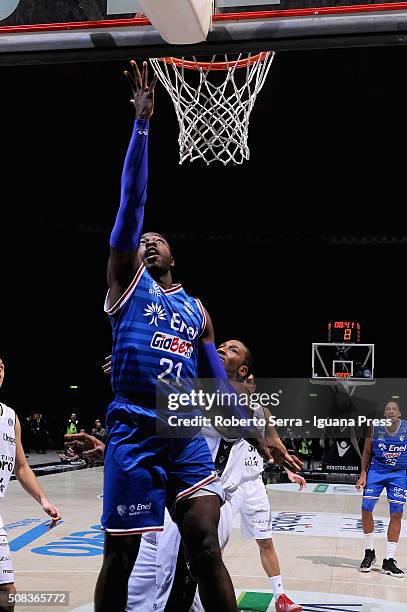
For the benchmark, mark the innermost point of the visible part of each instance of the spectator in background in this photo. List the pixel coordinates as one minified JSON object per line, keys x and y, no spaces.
{"x":39,"y":433}
{"x":305,"y":450}
{"x":73,"y":425}
{"x":26,"y":437}
{"x":290,"y":441}
{"x":98,"y":431}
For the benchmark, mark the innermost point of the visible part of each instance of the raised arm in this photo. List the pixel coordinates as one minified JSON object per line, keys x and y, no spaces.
{"x":125,"y":236}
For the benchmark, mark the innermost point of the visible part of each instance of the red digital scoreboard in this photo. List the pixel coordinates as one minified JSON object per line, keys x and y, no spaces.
{"x":340,"y":332}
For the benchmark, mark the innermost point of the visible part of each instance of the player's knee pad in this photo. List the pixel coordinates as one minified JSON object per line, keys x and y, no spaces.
{"x":396,"y":507}
{"x":368,"y":503}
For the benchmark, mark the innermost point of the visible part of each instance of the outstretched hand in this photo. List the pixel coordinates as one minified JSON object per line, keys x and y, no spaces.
{"x":143,"y":93}
{"x":282,"y":457}
{"x":274,"y":451}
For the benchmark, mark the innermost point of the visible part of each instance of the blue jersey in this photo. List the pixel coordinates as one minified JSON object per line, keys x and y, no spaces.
{"x":155,"y":335}
{"x":390,"y":451}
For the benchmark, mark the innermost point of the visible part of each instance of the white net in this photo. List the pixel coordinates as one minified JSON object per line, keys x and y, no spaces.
{"x":213,"y":101}
{"x":343,"y":380}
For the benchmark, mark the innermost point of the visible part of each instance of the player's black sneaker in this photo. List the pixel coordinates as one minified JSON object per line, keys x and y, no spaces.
{"x":368,"y":561}
{"x":390,"y":567}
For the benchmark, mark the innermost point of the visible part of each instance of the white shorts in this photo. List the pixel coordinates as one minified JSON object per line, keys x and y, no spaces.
{"x":224,"y":531}
{"x":153,"y":574}
{"x":6,"y":565}
{"x":251,"y":500}
{"x":154,"y":568}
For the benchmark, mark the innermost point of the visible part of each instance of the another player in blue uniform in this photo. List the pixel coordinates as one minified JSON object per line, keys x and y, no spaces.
{"x":384,"y":463}
{"x":158,"y":331}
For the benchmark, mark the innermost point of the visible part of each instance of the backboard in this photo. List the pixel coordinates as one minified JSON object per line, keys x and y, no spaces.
{"x":330,"y":361}
{"x":93,"y":30}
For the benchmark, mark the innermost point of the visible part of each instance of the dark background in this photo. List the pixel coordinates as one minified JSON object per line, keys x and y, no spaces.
{"x":310,"y":229}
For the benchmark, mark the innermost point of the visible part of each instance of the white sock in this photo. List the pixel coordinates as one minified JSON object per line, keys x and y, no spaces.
{"x":369,"y":541}
{"x":276,"y":586}
{"x":391,"y":549}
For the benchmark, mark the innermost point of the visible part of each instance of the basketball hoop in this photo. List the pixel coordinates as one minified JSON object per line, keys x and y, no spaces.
{"x":213,"y":112}
{"x":342,"y":375}
{"x":343,"y":378}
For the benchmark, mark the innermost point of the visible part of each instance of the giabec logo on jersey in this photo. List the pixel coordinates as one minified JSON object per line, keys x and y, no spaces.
{"x":172,"y":344}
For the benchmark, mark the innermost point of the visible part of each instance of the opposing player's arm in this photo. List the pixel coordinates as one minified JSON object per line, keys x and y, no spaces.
{"x":85,"y":446}
{"x":270,"y":430}
{"x":365,"y":462}
{"x":125,"y":236}
{"x":28,"y":481}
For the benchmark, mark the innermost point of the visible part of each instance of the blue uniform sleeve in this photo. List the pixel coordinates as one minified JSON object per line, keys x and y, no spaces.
{"x":210,"y":364}
{"x":127,"y":229}
{"x":211,"y":367}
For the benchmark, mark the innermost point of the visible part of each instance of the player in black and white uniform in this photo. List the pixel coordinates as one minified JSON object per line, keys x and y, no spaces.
{"x":12,"y":459}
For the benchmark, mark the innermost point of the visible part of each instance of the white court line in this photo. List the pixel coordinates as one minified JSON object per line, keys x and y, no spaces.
{"x":334,"y":580}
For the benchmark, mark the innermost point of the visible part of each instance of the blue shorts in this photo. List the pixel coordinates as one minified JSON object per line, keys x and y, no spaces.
{"x":395,"y":483}
{"x":144,"y":473}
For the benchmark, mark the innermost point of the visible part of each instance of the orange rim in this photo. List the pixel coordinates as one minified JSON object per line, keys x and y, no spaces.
{"x":243,"y":63}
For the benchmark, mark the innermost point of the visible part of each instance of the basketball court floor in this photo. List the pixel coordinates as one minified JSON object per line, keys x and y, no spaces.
{"x":317,"y":536}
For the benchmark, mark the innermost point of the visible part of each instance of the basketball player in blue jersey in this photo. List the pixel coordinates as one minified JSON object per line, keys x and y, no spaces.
{"x":157,"y":332}
{"x":241,"y":480}
{"x":384,"y":463}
